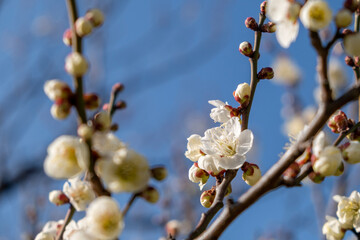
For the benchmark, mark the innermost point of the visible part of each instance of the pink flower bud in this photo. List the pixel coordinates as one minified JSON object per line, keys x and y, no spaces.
{"x":292,"y":171}
{"x":251,"y":23}
{"x":338,"y":122}
{"x":92,"y":101}
{"x":120,"y":105}
{"x":263,"y":7}
{"x":245,"y":49}
{"x":95,"y":16}
{"x":269,"y":27}
{"x":58,"y":198}
{"x":118,"y":87}
{"x":266,"y":73}
{"x":67,"y":37}
{"x":207,"y":198}
{"x":349,"y":61}
{"x":159,"y":173}
{"x":242,"y":94}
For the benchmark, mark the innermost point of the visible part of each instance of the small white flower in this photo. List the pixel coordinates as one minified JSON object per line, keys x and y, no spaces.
{"x":286,"y":71}
{"x":79,"y":192}
{"x":352,"y":44}
{"x":227,"y":144}
{"x":67,"y":157}
{"x":285,"y":14}
{"x":316,"y":15}
{"x":348,"y":210}
{"x":106,"y":144}
{"x":219,"y":113}
{"x":198,"y":175}
{"x":55,"y":89}
{"x":104,"y":219}
{"x":352,"y":152}
{"x":127,"y":171}
{"x":332,"y":229}
{"x":328,"y":162}
{"x":193,"y":148}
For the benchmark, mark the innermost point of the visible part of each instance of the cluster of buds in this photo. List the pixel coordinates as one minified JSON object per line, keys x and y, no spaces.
{"x":338,"y":122}
{"x":251,"y":173}
{"x":242,"y":94}
{"x":59,"y":92}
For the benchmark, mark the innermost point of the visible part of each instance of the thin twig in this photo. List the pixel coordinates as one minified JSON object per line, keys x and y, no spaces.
{"x":342,"y":135}
{"x":67,"y":220}
{"x":129,"y":204}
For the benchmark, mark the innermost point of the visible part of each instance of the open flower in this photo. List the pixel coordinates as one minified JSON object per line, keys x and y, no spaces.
{"x":79,"y":192}
{"x":106,"y":144}
{"x":285,"y":14}
{"x":332,"y":229}
{"x":219,"y":113}
{"x":126,"y":171}
{"x":67,"y":157}
{"x":193,"y":148}
{"x":316,"y":15}
{"x":348,"y":210}
{"x":104,"y":219}
{"x":227,"y":144}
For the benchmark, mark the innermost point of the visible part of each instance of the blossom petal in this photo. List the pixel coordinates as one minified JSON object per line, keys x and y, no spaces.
{"x":234,"y":162}
{"x":245,"y":142}
{"x":286,"y":32}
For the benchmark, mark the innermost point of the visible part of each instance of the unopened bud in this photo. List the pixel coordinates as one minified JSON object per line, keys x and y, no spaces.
{"x":316,"y":177}
{"x":85,"y":131}
{"x":102,"y":121}
{"x":56,"y":89}
{"x":67,"y":37}
{"x":76,"y":64}
{"x":349,"y":61}
{"x":120,"y":105}
{"x":352,"y":5}
{"x":357,"y":61}
{"x":150,"y":194}
{"x":58,"y":198}
{"x":92,"y":101}
{"x":343,"y":18}
{"x":328,"y":161}
{"x":346,"y":31}
{"x":251,"y":23}
{"x":251,"y":173}
{"x":338,"y":122}
{"x":340,"y":170}
{"x":351,"y":153}
{"x":242,"y":94}
{"x":266,"y":73}
{"x":95,"y":16}
{"x":245,"y":48}
{"x":207,"y":198}
{"x":106,"y":107}
{"x":270,"y":27}
{"x":159,"y":173}
{"x":60,"y":109}
{"x":198,"y":175}
{"x":83,"y":27}
{"x":117,"y":87}
{"x":114,"y":127}
{"x":292,"y":171}
{"x":263,"y":7}
{"x":173,"y":228}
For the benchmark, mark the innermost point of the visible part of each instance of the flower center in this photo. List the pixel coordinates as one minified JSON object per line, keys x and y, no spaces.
{"x":317,"y":13}
{"x":126,"y":171}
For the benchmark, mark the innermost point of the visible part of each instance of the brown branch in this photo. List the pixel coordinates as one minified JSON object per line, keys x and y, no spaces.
{"x":129,"y":204}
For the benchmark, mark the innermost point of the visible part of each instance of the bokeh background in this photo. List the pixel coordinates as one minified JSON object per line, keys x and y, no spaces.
{"x":173,"y":56}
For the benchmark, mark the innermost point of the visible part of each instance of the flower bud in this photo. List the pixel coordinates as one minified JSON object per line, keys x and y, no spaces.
{"x":56,"y":89}
{"x":242,"y":94}
{"x":159,"y":173}
{"x":120,"y":105}
{"x":150,"y":194}
{"x":207,"y":198}
{"x":251,"y":23}
{"x":83,"y":27}
{"x":85,"y":131}
{"x":76,"y":64}
{"x":60,"y":109}
{"x":198,"y":175}
{"x":67,"y":37}
{"x":102,"y":121}
{"x":117,"y":87}
{"x":343,"y":18}
{"x":352,"y":5}
{"x":173,"y":228}
{"x":266,"y":73}
{"x":58,"y":198}
{"x":346,"y":31}
{"x":270,"y":27}
{"x":263,"y":7}
{"x":351,"y":153}
{"x":349,"y":61}
{"x":316,"y":177}
{"x":292,"y":171}
{"x":338,"y":122}
{"x":251,"y":174}
{"x":92,"y":101}
{"x":95,"y":16}
{"x":357,"y":61}
{"x":328,"y":161}
{"x":352,"y":44}
{"x":245,"y":49}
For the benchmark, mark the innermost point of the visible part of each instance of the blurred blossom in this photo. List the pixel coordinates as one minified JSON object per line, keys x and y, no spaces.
{"x":286,"y":71}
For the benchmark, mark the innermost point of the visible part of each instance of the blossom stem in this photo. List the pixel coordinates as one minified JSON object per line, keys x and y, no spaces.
{"x":345,"y":133}
{"x":67,"y":220}
{"x":254,"y":71}
{"x":356,"y":69}
{"x":128,"y":205}
{"x":356,"y":233}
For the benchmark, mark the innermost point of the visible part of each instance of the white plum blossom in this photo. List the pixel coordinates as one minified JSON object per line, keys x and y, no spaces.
{"x":67,"y":157}
{"x":193,"y":148}
{"x":126,"y":171}
{"x":209,"y":164}
{"x":106,"y":143}
{"x":286,"y":71}
{"x":332,"y":229}
{"x":219,"y":113}
{"x":316,"y":15}
{"x":55,"y":89}
{"x":79,"y":192}
{"x":104,"y":219}
{"x":352,"y":152}
{"x":319,"y":143}
{"x":348,"y":210}
{"x":227,"y":144}
{"x":328,"y":161}
{"x":337,"y":75}
{"x":285,"y":14}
